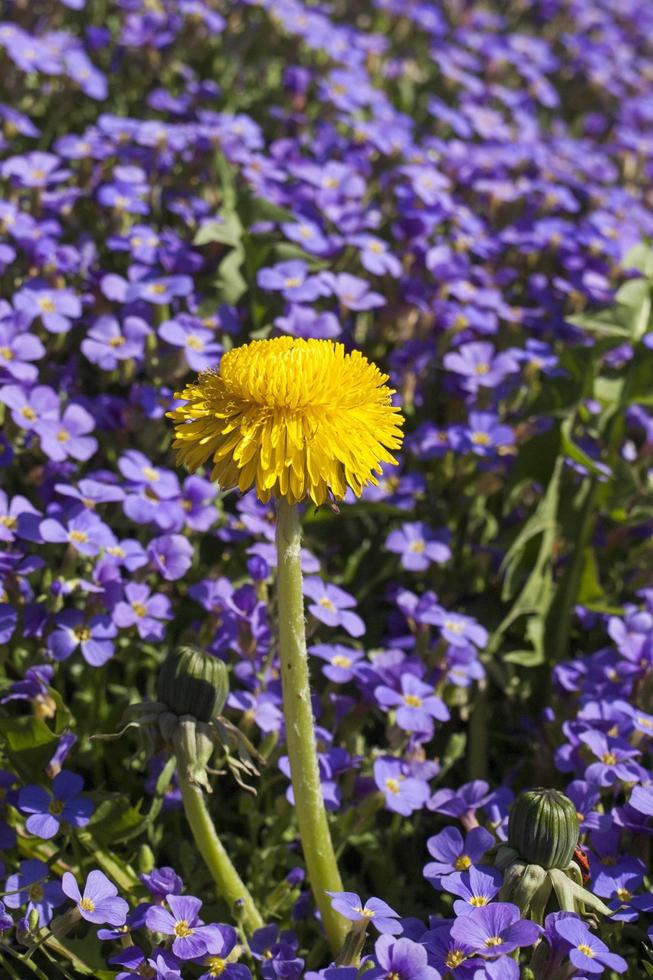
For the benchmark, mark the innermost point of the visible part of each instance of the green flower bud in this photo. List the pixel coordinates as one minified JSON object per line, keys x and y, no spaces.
{"x":543,"y":828}
{"x":192,"y":682}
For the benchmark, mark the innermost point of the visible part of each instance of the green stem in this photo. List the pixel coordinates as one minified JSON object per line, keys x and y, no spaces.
{"x":231,"y":887}
{"x":314,"y":831}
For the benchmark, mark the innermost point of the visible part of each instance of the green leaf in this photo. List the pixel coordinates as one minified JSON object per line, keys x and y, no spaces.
{"x":230,"y":280}
{"x":579,"y":456}
{"x":228,"y":231}
{"x":589,"y":589}
{"x":114,"y":820}
{"x":28,"y":743}
{"x":639,"y":257}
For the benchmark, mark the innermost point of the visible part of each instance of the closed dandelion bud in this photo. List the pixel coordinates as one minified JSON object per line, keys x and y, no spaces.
{"x":543,"y":828}
{"x":192,"y":682}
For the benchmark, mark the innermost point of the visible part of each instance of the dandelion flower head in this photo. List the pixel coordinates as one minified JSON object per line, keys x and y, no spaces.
{"x":295,"y":418}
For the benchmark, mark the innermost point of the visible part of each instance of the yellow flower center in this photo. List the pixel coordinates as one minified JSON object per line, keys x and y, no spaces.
{"x":35,"y":893}
{"x":82,"y":633}
{"x":182,"y":929}
{"x":609,"y":758}
{"x":478,"y":901}
{"x":216,"y":966}
{"x":63,"y":436}
{"x":158,"y":288}
{"x":480,"y":439}
{"x":139,"y":609}
{"x":116,"y":551}
{"x":412,"y":701}
{"x":28,"y":413}
{"x":340,"y":661}
{"x":493,"y":941}
{"x":80,"y":536}
{"x":482,"y":369}
{"x":56,"y":807}
{"x":377,"y":247}
{"x":463,"y":862}
{"x":454,"y":626}
{"x":150,"y":473}
{"x":366,"y":913}
{"x":584,"y":948}
{"x":117,"y":341}
{"x":195,"y":343}
{"x":295,"y":418}
{"x":292,"y":282}
{"x":8,"y":521}
{"x":392,"y":785}
{"x":417,"y":546}
{"x":46,"y":304}
{"x":87,"y":904}
{"x":644,"y":722}
{"x":624,"y":895}
{"x":326,"y":603}
{"x":6,"y":354}
{"x":453,"y":959}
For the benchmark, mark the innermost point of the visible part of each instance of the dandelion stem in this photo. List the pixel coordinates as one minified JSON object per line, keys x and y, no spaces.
{"x":231,"y":887}
{"x":314,"y":831}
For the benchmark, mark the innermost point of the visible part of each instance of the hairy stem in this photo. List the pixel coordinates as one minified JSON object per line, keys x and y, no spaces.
{"x":314,"y":831}
{"x":231,"y":887}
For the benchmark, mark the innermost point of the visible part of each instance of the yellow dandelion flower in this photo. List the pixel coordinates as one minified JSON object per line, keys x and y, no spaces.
{"x":292,"y":417}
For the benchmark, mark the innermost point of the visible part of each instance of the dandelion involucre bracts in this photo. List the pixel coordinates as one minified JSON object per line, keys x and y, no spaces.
{"x":292,"y":417}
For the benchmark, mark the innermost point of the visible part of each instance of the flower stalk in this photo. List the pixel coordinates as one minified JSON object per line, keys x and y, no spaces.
{"x":314,"y":832}
{"x":230,"y":885}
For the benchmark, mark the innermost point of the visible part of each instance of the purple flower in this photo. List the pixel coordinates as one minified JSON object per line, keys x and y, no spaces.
{"x":349,"y":905}
{"x":85,"y":532}
{"x":494,"y":930}
{"x":483,"y":435}
{"x":144,"y":610}
{"x":331,"y":606}
{"x":199,"y":345}
{"x":55,"y":307}
{"x":161,"y":965}
{"x":352,"y":292}
{"x":107,"y":343}
{"x":614,"y":757}
{"x":416,"y":705}
{"x":29,"y":408}
{"x":479,"y":365}
{"x":401,"y":959}
{"x":171,"y":555}
{"x":160,"y":291}
{"x":462,"y":803}
{"x":48,"y":811}
{"x":94,"y":636}
{"x":303,"y":321}
{"x":30,"y":885}
{"x":456,"y":629}
{"x":162,"y":881}
{"x":99,"y":903}
{"x":375,"y":257}
{"x":292,"y":280}
{"x":586,"y":951}
{"x":67,"y":437}
{"x":453,"y":853}
{"x":341,"y":661}
{"x":417,"y":546}
{"x":10,"y":515}
{"x":476,"y":888}
{"x":403,"y":794}
{"x":17,"y":350}
{"x":35,"y":169}
{"x":192,"y":937}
